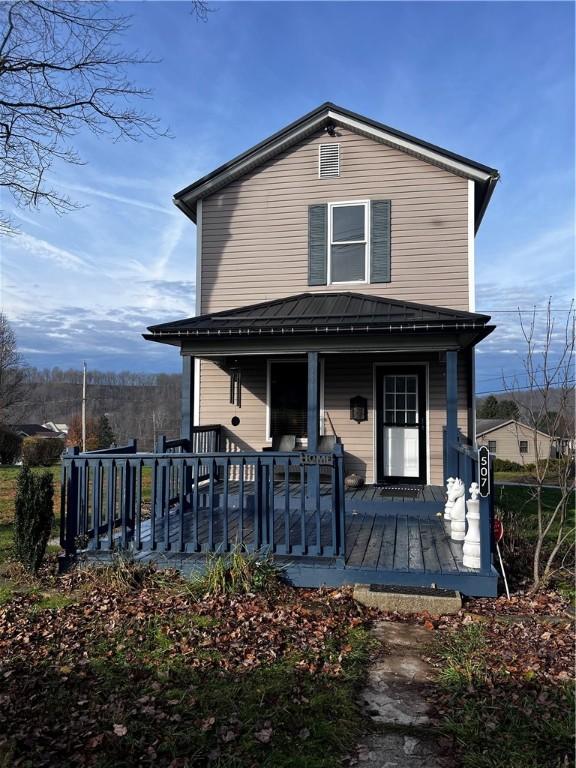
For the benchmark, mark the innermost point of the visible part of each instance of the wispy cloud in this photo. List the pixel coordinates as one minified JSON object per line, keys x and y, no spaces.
{"x":45,"y":250}
{"x":167,"y":209}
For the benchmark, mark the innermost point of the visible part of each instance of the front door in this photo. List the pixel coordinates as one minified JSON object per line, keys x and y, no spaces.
{"x":401,"y":424}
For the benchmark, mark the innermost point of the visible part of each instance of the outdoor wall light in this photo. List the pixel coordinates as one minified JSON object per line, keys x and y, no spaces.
{"x":358,"y":409}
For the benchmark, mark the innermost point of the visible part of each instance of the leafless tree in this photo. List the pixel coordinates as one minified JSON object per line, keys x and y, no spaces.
{"x":13,"y":379}
{"x":546,"y":406}
{"x":63,"y":70}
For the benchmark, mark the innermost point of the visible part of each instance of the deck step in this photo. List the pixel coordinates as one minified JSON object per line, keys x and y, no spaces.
{"x":408,"y":599}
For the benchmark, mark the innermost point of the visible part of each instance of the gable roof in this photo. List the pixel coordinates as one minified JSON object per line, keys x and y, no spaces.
{"x":484,"y":426}
{"x":326,"y":115}
{"x":328,"y":313}
{"x":30,"y":430}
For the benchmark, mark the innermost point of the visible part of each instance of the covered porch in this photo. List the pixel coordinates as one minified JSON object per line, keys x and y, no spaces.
{"x":343,"y":504}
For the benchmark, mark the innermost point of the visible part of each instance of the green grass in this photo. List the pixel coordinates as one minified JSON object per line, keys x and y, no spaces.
{"x":499,"y":721}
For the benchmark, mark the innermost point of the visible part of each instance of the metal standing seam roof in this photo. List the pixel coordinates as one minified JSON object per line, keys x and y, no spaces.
{"x":332,"y":313}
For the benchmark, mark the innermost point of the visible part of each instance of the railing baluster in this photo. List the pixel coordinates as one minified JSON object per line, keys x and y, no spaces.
{"x":287,"y":541}
{"x":182,"y":472}
{"x":138,"y":506}
{"x":257,"y":503}
{"x":96,"y":502}
{"x":303,"y":508}
{"x":153,"y":504}
{"x":211,"y":464}
{"x":195,"y":514}
{"x":241,"y":501}
{"x":166,"y":504}
{"x":225,"y":542}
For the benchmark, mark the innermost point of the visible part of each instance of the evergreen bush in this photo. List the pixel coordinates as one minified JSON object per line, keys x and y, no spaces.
{"x":33,"y":518}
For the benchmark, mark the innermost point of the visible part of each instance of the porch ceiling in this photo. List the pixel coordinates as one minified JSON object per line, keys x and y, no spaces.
{"x":295,"y":321}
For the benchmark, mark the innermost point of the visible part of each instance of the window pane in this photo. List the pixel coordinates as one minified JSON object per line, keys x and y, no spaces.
{"x":411,"y":384}
{"x":288,"y":399}
{"x":347,"y":223}
{"x":411,"y":417}
{"x":348,"y":263}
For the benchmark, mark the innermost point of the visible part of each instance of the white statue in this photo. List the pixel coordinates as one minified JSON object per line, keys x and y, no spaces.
{"x":471,"y":548}
{"x":448,"y":505}
{"x":457,"y":510}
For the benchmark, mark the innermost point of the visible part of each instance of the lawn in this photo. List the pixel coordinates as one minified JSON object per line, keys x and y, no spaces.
{"x":128,"y":667}
{"x":505,"y":689}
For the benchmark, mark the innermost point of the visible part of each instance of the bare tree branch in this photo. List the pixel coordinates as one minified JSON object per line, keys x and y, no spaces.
{"x":546,"y":406}
{"x":63,"y":71}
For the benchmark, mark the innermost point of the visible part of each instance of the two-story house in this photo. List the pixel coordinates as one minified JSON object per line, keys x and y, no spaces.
{"x":333,"y":348}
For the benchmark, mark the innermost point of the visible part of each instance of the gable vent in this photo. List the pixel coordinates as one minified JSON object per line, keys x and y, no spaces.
{"x":329,"y":160}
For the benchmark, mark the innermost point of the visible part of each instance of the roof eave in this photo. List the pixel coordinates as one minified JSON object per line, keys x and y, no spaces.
{"x":484,"y":177}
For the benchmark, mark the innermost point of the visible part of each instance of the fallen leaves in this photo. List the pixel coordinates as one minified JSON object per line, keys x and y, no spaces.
{"x":118,"y":670}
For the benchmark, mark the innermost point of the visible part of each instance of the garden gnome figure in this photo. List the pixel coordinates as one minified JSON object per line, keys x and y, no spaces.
{"x":457,"y":511}
{"x":448,"y":505}
{"x":471,"y":548}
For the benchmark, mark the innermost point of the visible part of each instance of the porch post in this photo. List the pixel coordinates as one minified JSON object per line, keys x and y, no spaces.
{"x":187,"y":399}
{"x":451,"y":468}
{"x":313,"y":401}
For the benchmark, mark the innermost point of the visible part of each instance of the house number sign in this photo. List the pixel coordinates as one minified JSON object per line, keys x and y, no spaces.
{"x":484,"y":470}
{"x":315,"y":458}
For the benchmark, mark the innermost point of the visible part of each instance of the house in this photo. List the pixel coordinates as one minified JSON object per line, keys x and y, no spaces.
{"x":329,"y":368}
{"x":35,"y":430}
{"x":61,"y":428}
{"x":512,"y":440}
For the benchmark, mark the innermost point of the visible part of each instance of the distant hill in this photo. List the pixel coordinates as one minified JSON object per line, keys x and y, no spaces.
{"x":137,"y":405}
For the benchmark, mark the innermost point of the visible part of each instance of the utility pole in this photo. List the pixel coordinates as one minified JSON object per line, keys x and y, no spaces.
{"x":84,"y":407}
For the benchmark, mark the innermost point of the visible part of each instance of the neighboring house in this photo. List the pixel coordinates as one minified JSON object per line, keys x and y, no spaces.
{"x":35,"y":430}
{"x":335,"y":301}
{"x":514,"y":441}
{"x":62,"y":429}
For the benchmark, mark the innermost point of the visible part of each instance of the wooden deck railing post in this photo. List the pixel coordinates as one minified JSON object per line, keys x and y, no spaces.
{"x":451,"y":469}
{"x":486,"y":523}
{"x":70,"y":530}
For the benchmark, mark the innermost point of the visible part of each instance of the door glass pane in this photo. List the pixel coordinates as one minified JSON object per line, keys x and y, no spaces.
{"x":347,"y":223}
{"x":348,"y":263}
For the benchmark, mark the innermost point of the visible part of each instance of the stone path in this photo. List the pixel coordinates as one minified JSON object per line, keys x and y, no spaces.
{"x":394,"y":699}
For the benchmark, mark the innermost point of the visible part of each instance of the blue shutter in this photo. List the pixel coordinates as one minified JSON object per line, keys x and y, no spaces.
{"x":317,"y":244}
{"x":380,"y":241}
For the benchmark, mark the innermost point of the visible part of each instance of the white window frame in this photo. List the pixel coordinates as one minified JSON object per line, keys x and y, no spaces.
{"x":347,"y":203}
{"x":302,"y":442}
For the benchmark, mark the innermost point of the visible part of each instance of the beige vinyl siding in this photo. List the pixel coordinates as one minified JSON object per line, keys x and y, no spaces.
{"x":344,"y":377}
{"x":508,"y":438}
{"x":255,"y":230}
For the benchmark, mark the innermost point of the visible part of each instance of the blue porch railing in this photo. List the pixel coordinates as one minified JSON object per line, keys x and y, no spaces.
{"x":181,"y":501}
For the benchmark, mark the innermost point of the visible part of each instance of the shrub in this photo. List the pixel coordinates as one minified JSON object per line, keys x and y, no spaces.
{"x":238,"y":572}
{"x":41,"y":451}
{"x":10,"y":445}
{"x":33,"y":517}
{"x":503,"y":465}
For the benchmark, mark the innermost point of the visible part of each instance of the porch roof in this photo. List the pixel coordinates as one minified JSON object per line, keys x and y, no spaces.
{"x":324,"y":314}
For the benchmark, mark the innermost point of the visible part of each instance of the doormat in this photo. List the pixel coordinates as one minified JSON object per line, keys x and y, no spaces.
{"x":407,"y":493}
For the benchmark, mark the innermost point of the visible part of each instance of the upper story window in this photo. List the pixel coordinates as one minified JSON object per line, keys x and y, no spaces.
{"x":348,"y":242}
{"x":523,"y":446}
{"x":492,"y":446}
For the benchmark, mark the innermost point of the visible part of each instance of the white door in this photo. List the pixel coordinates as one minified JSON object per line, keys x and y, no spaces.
{"x":401,"y":439}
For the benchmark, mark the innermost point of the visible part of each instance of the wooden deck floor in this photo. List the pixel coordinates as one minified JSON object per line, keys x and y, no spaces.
{"x":386,"y":535}
{"x":398,"y":539}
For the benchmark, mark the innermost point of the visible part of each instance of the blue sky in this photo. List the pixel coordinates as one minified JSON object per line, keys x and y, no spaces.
{"x":493,"y":81}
